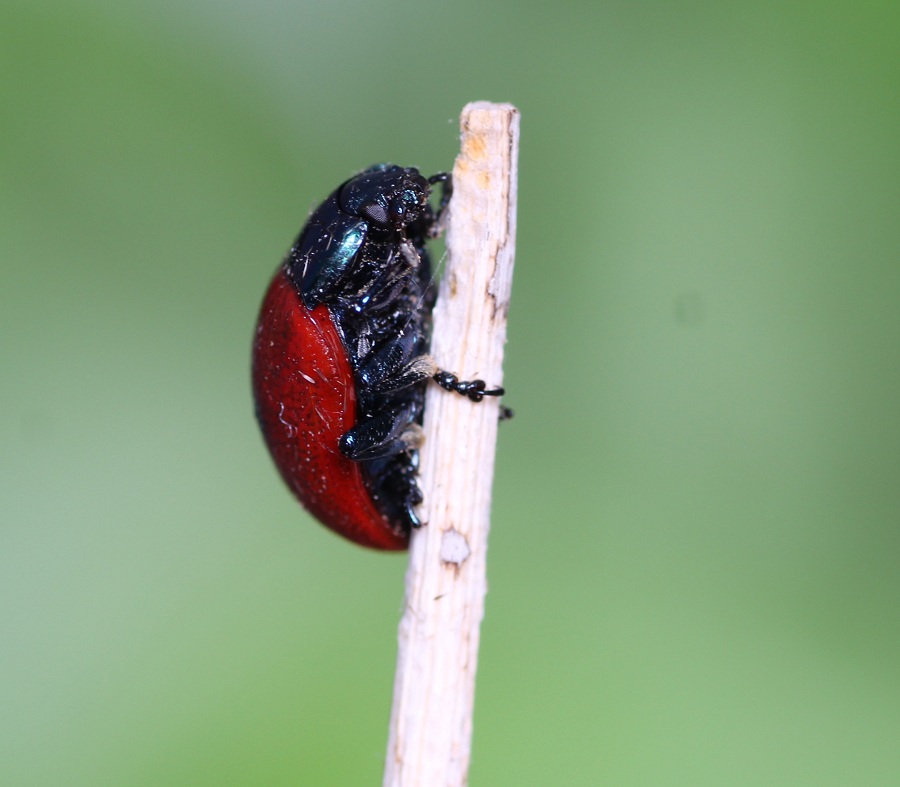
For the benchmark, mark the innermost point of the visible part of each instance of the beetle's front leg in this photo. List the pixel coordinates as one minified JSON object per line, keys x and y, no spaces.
{"x":446,"y":181}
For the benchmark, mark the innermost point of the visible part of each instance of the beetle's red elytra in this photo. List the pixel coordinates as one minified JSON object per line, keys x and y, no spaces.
{"x":306,"y":398}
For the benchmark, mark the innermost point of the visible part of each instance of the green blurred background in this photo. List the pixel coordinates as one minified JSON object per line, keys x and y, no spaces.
{"x":694,"y":556}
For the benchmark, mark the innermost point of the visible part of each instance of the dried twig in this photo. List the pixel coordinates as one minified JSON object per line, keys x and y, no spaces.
{"x":431,"y":720}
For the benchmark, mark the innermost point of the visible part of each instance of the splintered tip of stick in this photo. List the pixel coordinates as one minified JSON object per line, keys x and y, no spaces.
{"x":481,"y":123}
{"x":431,"y":718}
{"x":482,"y":226}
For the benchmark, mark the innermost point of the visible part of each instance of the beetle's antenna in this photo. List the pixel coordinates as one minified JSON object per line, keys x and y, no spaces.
{"x":431,"y":720}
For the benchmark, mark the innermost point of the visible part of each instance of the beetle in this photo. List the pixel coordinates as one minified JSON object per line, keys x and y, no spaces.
{"x":340,"y":355}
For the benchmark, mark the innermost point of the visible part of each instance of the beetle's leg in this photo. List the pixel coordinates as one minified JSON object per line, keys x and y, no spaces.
{"x":381,"y":291}
{"x":389,"y":368}
{"x":411,"y":499}
{"x":398,"y":378}
{"x":400,"y":484}
{"x":385,"y":435}
{"x":475,"y":390}
{"x":412,"y":495}
{"x":446,"y":181}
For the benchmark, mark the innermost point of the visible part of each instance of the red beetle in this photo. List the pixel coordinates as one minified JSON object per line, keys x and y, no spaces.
{"x":340,"y":357}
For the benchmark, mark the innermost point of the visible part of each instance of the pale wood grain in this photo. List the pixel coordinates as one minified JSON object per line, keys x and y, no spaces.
{"x":431,"y":720}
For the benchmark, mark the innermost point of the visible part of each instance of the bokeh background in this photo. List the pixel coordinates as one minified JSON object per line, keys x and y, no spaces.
{"x":694,"y":556}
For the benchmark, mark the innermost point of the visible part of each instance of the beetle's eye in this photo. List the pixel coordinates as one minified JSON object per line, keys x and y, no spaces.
{"x":378,"y":213}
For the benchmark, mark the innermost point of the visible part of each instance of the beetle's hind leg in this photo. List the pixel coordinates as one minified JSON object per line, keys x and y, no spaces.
{"x":393,"y":483}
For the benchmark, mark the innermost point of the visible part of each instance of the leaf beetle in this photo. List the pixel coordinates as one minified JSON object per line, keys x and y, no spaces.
{"x":340,"y":355}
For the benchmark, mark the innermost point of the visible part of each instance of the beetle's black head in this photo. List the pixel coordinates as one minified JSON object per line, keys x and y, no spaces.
{"x":386,"y":195}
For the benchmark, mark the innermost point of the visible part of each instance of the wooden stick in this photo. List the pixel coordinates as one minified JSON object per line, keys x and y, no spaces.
{"x":434,"y":689}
